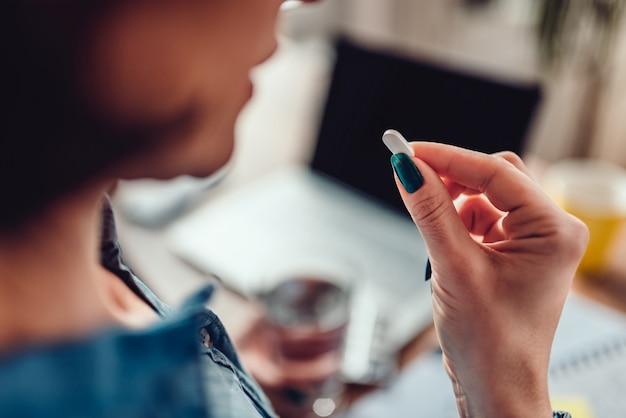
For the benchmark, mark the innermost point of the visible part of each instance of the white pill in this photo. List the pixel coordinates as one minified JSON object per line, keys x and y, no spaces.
{"x":396,"y":143}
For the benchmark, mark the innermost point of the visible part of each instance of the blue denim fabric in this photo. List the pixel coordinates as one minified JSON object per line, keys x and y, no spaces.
{"x":167,"y":370}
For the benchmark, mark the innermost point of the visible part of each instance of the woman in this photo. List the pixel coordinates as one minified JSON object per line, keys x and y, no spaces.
{"x":104,"y":90}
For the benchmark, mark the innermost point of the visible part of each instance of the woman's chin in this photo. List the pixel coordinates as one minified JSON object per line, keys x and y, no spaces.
{"x":214,"y":163}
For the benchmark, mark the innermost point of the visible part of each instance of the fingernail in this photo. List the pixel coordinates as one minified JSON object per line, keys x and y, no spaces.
{"x":407,"y":172}
{"x":428,"y":274}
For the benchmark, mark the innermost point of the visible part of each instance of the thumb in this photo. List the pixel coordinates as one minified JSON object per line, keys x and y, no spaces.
{"x":430,"y":205}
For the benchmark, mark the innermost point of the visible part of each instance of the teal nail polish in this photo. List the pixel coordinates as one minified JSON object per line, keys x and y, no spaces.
{"x":405,"y":169}
{"x":428,"y":274}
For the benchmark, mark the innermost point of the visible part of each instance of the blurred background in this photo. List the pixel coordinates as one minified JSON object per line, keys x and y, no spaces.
{"x":544,"y":78}
{"x":575,"y":50}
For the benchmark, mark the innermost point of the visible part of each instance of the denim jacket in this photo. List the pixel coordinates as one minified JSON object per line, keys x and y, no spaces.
{"x":184,"y":366}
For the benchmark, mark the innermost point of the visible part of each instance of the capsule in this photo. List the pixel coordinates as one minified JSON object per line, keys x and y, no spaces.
{"x":396,"y":143}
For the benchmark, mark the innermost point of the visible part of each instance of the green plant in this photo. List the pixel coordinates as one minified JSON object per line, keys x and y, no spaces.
{"x":577,"y":29}
{"x":580,"y":35}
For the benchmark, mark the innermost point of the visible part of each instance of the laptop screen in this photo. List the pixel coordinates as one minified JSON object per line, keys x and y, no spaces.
{"x":372,"y":91}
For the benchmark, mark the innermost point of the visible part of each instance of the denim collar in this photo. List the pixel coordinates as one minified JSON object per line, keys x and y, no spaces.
{"x":111,"y":259}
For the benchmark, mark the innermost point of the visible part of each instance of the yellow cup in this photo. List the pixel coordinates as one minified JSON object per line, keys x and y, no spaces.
{"x":595,"y":192}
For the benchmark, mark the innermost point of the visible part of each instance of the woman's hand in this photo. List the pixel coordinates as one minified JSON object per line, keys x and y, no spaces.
{"x":502,"y":264}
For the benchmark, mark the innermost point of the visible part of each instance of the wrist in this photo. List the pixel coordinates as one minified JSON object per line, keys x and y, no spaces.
{"x":507,"y":392}
{"x":509,"y":406}
{"x":505,"y":406}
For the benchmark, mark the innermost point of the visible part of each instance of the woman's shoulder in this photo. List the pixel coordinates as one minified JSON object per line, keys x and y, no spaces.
{"x":183,"y":366}
{"x":114,"y":372}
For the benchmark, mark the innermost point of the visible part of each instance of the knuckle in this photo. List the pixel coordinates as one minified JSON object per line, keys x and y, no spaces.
{"x":573,"y":239}
{"x":428,"y":210}
{"x":580,"y":235}
{"x":510,"y":157}
{"x":497,"y":166}
{"x":514,"y":160}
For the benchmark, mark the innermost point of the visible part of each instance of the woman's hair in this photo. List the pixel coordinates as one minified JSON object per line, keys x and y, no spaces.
{"x":50,"y":142}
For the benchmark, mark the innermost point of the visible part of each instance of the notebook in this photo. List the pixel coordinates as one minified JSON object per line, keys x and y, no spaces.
{"x":588,"y":364}
{"x":342,"y":212}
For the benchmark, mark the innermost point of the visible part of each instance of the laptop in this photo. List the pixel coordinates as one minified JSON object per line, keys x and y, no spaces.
{"x":341,"y":215}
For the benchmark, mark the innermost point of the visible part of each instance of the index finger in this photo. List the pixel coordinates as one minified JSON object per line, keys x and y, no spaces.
{"x":504,"y":185}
